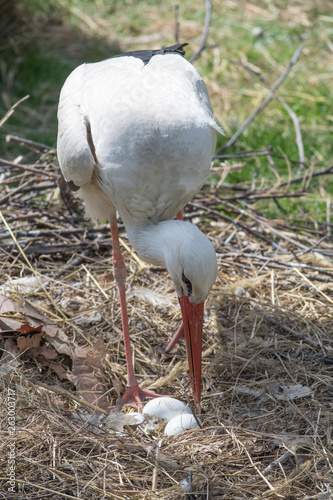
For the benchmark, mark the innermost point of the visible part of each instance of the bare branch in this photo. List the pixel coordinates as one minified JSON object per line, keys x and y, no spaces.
{"x":26,"y":168}
{"x":205,"y":31}
{"x":176,"y":11}
{"x":268,"y":99}
{"x":243,"y":154}
{"x":300,"y":178}
{"x":292,"y":114}
{"x":11,"y":110}
{"x":34,"y":146}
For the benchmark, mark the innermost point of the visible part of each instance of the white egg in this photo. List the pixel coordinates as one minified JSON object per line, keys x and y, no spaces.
{"x":166,"y":408}
{"x":181,"y":423}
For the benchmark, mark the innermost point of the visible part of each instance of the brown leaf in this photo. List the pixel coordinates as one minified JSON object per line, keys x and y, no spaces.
{"x":25,"y":329}
{"x":91,"y":381}
{"x":97,"y":353}
{"x":46,"y":352}
{"x":54,"y":335}
{"x":29,"y":342}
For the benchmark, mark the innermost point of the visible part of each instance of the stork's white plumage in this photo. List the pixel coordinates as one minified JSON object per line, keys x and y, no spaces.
{"x":136,"y":135}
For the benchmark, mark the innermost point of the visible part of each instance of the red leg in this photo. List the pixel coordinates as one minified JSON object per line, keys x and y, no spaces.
{"x":179,"y":215}
{"x":180,"y":332}
{"x":177,"y":336}
{"x":133,"y":393}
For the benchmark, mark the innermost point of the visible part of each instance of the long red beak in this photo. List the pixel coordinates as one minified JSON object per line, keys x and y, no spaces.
{"x":193,"y":321}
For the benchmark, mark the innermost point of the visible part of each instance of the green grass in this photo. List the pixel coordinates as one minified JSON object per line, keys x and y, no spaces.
{"x":36,"y":62}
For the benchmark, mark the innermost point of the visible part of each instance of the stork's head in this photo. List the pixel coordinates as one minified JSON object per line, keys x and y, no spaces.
{"x":193,"y":269}
{"x":192,"y":264}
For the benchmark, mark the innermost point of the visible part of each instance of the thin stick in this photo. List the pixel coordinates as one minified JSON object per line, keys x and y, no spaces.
{"x":272,"y":287}
{"x":176,"y":11}
{"x":242,"y":154}
{"x":29,"y":144}
{"x":277,"y":462}
{"x":11,"y":110}
{"x":133,"y":254}
{"x":96,"y":282}
{"x":265,"y":224}
{"x":292,"y":114}
{"x":307,"y":176}
{"x":63,"y":392}
{"x":268,"y":99}
{"x":270,"y":486}
{"x":14,"y":191}
{"x":17,"y":166}
{"x":205,"y":31}
{"x":314,"y":286}
{"x":38,"y":486}
{"x":63,"y":316}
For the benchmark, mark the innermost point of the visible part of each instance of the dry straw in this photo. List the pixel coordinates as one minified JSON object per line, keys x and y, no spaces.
{"x":267,"y":362}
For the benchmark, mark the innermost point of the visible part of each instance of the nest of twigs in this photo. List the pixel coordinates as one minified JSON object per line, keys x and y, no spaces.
{"x":267,"y":355}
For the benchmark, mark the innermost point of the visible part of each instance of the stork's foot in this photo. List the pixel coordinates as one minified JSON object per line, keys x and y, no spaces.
{"x":177,"y":336}
{"x":134,"y":395}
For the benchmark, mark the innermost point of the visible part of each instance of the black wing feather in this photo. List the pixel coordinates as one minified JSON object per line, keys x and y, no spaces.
{"x":146,"y":55}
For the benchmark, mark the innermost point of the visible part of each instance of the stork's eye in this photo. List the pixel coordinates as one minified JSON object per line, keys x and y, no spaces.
{"x":188,"y":284}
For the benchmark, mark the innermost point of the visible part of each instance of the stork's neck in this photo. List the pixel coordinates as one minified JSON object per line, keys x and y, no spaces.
{"x":156,"y":242}
{"x":183,"y":249}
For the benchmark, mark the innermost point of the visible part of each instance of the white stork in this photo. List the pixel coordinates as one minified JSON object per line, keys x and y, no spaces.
{"x":136,"y":135}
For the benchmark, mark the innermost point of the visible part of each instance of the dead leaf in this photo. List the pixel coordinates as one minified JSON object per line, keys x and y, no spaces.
{"x":96,"y":356}
{"x":46,"y":352}
{"x":54,"y":335}
{"x":116,"y":420}
{"x":25,"y":329}
{"x":9,"y":326}
{"x":91,"y":381}
{"x":29,"y":343}
{"x":287,"y":392}
{"x":9,"y":360}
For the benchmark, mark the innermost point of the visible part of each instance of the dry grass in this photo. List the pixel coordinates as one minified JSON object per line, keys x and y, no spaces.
{"x":267,"y":368}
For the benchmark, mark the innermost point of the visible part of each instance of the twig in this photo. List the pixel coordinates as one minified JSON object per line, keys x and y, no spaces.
{"x":176,"y":11}
{"x":62,"y":315}
{"x":11,"y":110}
{"x":270,"y":486}
{"x":292,"y":265}
{"x":96,"y":282}
{"x":14,"y":191}
{"x":34,"y":146}
{"x":249,"y":196}
{"x":277,"y":462}
{"x":220,"y":215}
{"x":314,"y":286}
{"x":53,"y":249}
{"x":268,"y":99}
{"x":242,"y":154}
{"x":63,"y":392}
{"x":205,"y":31}
{"x":17,"y":166}
{"x":265,"y":224}
{"x":292,"y":331}
{"x":292,"y":114}
{"x":301,"y":178}
{"x":43,"y":233}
